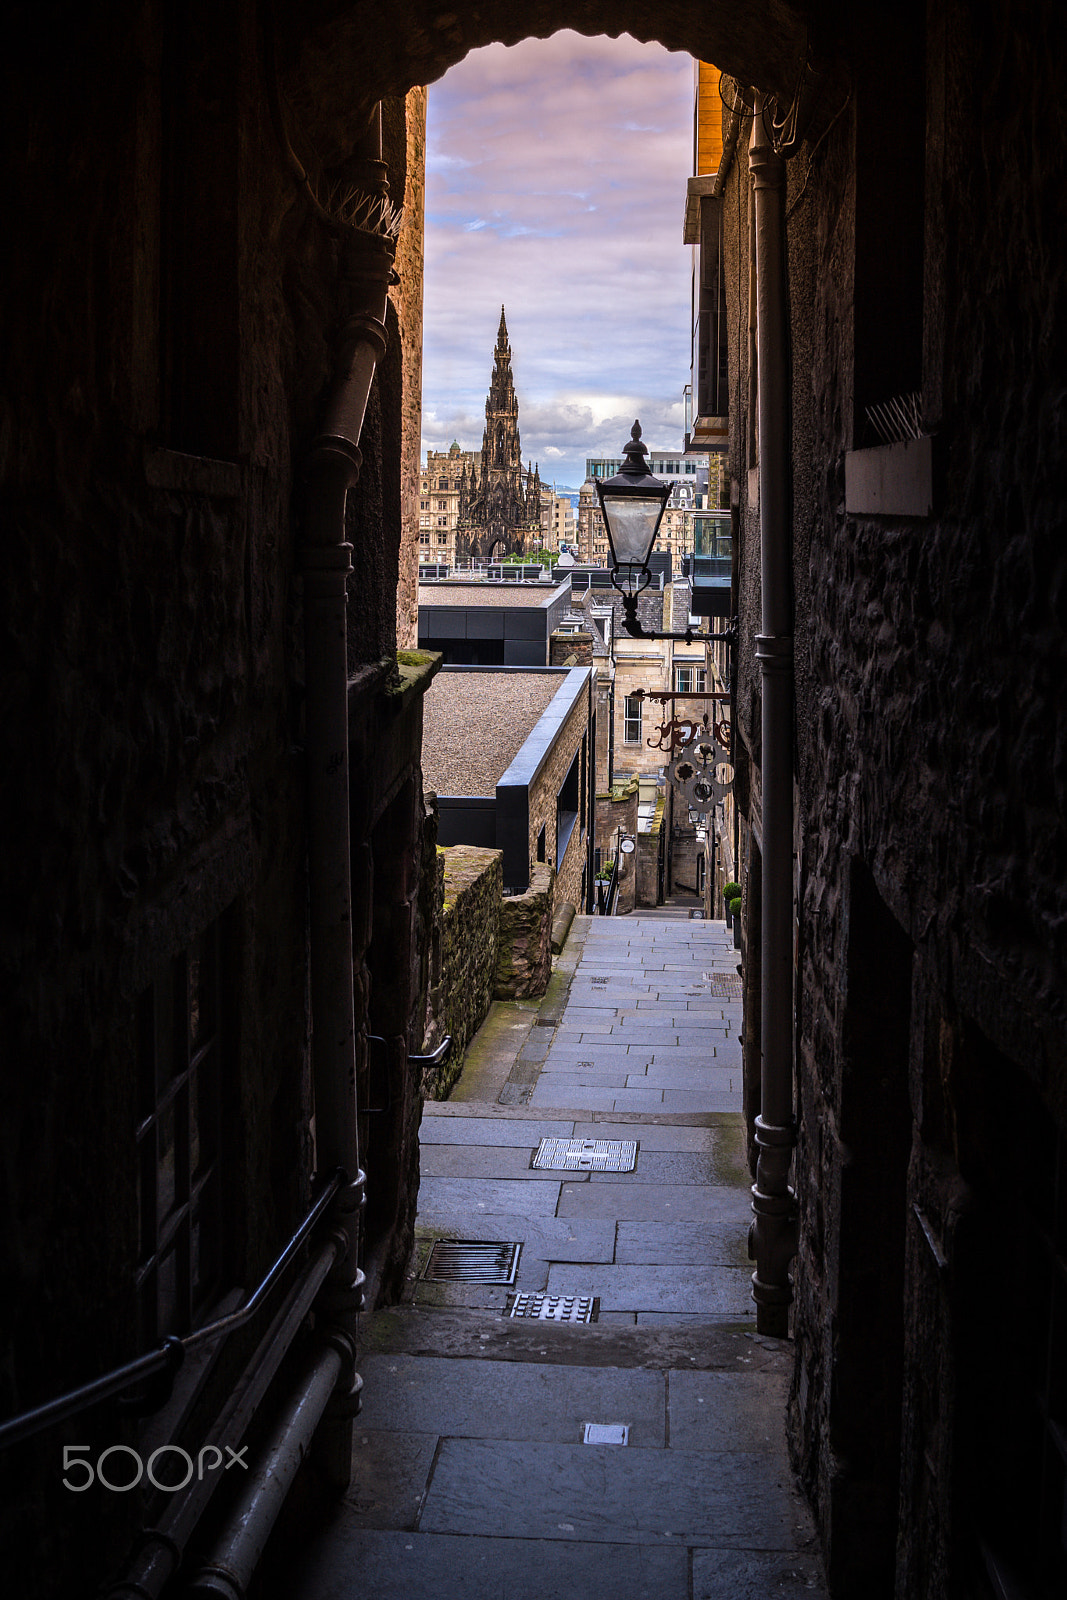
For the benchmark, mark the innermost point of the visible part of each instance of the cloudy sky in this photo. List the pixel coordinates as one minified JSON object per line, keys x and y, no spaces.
{"x":555,"y":186}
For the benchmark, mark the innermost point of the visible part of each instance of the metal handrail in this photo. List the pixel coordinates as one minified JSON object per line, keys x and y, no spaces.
{"x":167,"y":1357}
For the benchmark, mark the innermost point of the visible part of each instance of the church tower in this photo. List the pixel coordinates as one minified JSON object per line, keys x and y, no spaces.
{"x":500,"y":515}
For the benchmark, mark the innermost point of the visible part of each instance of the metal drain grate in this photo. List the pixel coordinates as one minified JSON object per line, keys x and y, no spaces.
{"x":724,"y":985}
{"x":472,"y":1261}
{"x":556,"y":1307}
{"x":585,"y":1155}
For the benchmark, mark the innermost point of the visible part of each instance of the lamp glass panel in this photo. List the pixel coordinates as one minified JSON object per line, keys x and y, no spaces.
{"x":632,"y":522}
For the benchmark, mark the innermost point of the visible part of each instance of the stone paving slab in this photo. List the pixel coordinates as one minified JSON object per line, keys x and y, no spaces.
{"x":720,"y":1411}
{"x":653,"y":1135}
{"x":491,"y":1130}
{"x":704,"y":1099}
{"x":558,"y":1094}
{"x":662,"y":1243}
{"x":625,"y":1495}
{"x":548,"y":1238}
{"x":591,"y":1071}
{"x":650,"y":1202}
{"x":482,"y":1161}
{"x":669,"y":1167}
{"x":723,"y":1051}
{"x":713,"y":1078}
{"x":443,"y":1199}
{"x":756,"y":1575}
{"x":390,"y":1472}
{"x":710,"y":1291}
{"x":499,"y":1400}
{"x":350,"y":1563}
{"x":598,"y":1054}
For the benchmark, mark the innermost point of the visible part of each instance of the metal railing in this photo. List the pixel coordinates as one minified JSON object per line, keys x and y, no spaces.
{"x":164,"y":1361}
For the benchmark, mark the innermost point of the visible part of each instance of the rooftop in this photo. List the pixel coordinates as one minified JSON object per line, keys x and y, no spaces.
{"x":445,"y":592}
{"x":476,"y":722}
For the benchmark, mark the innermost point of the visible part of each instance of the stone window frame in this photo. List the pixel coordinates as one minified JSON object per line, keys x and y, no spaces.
{"x":697,"y":677}
{"x":630,"y":719}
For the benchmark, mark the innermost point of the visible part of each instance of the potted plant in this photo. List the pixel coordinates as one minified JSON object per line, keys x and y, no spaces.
{"x":731,"y":891}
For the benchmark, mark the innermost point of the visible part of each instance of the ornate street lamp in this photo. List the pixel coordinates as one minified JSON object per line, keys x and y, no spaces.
{"x":632,"y":504}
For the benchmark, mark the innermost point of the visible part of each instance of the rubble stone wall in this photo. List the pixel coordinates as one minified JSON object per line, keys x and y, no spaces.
{"x":470,"y":943}
{"x":524,"y":955}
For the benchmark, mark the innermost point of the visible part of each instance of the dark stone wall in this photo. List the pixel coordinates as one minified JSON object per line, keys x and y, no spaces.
{"x":178,"y":297}
{"x":929,"y":783}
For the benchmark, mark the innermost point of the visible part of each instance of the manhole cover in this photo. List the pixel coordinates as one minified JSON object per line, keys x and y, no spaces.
{"x":472,"y":1261}
{"x":606,"y":1433}
{"x":696,"y":916}
{"x":556,"y":1307}
{"x":724,"y":985}
{"x":585,"y":1155}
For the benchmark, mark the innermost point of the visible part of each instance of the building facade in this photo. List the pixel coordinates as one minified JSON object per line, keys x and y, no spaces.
{"x":440,"y":483}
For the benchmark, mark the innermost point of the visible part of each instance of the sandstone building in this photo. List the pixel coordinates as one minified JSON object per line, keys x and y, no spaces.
{"x":440,"y":482}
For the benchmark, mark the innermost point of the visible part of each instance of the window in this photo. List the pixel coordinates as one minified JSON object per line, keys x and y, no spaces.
{"x":442,"y":505}
{"x":442,"y":483}
{"x":181,"y":1061}
{"x":690,"y":680}
{"x":567,"y":805}
{"x":541,"y":844}
{"x":631,"y":732}
{"x":424,"y":538}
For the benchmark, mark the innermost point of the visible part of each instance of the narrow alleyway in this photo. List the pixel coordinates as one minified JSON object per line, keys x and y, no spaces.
{"x":472,"y":1475}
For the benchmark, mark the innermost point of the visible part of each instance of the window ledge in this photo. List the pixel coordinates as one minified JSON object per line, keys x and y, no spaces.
{"x":892,"y":480}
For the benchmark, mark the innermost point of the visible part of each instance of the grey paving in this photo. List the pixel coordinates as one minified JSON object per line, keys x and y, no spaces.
{"x":654,"y":1202}
{"x":352,"y":1562}
{"x":502,"y":1400}
{"x":446,"y":1198}
{"x":481,"y":1161}
{"x":626,"y":1495}
{"x":470,"y":1477}
{"x":710,"y":1291}
{"x":490,"y":1130}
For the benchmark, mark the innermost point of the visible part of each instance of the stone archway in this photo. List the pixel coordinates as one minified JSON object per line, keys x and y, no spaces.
{"x":334,"y":64}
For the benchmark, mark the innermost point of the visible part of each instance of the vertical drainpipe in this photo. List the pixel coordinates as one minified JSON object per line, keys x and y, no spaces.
{"x":326,"y":560}
{"x":773,"y":1234}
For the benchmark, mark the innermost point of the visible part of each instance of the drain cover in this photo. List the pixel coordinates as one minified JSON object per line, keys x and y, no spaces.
{"x":556,"y":1307}
{"x":472,"y":1261}
{"x":606,"y":1433}
{"x":724,"y":985}
{"x":586,"y":1155}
